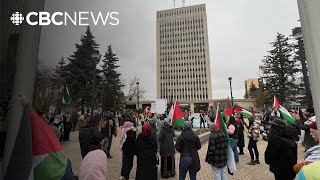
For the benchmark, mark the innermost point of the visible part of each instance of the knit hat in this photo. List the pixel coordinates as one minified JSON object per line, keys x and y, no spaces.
{"x":187,"y":125}
{"x":313,"y":126}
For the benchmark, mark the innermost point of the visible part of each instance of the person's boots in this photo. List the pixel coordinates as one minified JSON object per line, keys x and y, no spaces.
{"x":252,"y":162}
{"x":257,"y":161}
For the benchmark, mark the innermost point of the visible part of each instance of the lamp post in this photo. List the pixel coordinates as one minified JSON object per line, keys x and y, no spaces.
{"x":137,"y":83}
{"x":230,"y":80}
{"x":95,"y":57}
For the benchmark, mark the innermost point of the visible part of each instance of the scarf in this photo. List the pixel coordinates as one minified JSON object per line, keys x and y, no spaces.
{"x":310,"y":120}
{"x":94,"y":166}
{"x":127,"y":126}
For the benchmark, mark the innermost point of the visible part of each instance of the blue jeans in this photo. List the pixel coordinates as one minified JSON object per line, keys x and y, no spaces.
{"x":220,"y":173}
{"x":185,"y":166}
{"x":234,"y":149}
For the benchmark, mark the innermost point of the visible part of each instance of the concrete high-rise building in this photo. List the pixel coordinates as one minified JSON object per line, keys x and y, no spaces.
{"x":183,"y":64}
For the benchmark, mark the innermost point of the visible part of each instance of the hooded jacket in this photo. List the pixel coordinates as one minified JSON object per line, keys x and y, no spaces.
{"x":281,"y":155}
{"x":313,"y":154}
{"x":166,"y":141}
{"x":188,"y":139}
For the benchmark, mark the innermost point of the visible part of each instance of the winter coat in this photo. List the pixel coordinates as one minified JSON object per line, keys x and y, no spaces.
{"x":217,"y":154}
{"x":146,"y":150}
{"x":89,"y":139}
{"x":281,"y":155}
{"x":68,"y":174}
{"x":313,"y":154}
{"x":129,"y":145}
{"x":254,"y":131}
{"x":187,"y":137}
{"x":166,"y":141}
{"x":110,"y":128}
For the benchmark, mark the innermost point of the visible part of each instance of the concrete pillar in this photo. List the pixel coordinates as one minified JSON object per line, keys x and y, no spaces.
{"x":192,"y":107}
{"x":310,"y":17}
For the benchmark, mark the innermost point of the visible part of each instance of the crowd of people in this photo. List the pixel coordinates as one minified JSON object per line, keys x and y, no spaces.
{"x":155,"y":144}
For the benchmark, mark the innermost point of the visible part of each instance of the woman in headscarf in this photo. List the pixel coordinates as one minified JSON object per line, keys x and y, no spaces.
{"x":146,"y":150}
{"x":94,"y":166}
{"x":127,"y":145}
{"x":167,"y":149}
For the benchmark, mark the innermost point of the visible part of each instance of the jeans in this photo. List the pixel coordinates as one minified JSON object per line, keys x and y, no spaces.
{"x":235,"y":149}
{"x":185,"y":166}
{"x":253,"y":145}
{"x":220,"y":173}
{"x":107,"y":145}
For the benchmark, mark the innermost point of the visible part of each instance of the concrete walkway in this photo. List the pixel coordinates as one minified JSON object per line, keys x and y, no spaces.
{"x":244,"y":171}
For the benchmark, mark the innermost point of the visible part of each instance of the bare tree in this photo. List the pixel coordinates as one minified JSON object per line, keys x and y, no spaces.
{"x":133,"y":92}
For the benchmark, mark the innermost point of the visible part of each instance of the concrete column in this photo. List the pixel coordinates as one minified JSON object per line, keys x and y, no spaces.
{"x":26,"y":62}
{"x":310,"y":17}
{"x":192,"y":107}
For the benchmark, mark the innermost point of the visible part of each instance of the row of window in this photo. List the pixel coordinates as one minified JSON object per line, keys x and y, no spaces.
{"x":166,"y":76}
{"x":183,"y":52}
{"x":180,"y":97}
{"x":167,"y":41}
{"x":186,"y":28}
{"x":181,"y":11}
{"x":184,"y":70}
{"x":166,"y":47}
{"x":181,"y":58}
{"x":183,"y":83}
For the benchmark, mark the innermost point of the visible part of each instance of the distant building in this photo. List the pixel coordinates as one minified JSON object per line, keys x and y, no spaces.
{"x":183,"y":64}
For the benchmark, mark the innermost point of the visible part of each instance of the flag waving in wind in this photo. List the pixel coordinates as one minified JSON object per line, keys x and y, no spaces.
{"x":283,"y":111}
{"x":243,"y":111}
{"x":66,"y":96}
{"x":177,"y":115}
{"x":222,"y":127}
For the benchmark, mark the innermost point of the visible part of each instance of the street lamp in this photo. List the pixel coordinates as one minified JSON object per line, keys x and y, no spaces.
{"x":137,"y":83}
{"x":230,"y":79}
{"x":95,"y":57}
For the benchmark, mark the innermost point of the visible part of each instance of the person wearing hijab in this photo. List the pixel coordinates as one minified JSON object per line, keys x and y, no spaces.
{"x":127,"y":145}
{"x":94,"y":166}
{"x":185,"y":142}
{"x":146,"y":150}
{"x":167,"y":149}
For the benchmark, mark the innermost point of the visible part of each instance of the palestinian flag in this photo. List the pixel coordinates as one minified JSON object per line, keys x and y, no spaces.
{"x":283,"y":111}
{"x":37,"y":144}
{"x":222,"y":126}
{"x":243,"y":111}
{"x":229,"y":111}
{"x":177,"y":115}
{"x":66,"y":96}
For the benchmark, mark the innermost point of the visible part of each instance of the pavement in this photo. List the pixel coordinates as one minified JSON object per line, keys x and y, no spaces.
{"x":244,"y":171}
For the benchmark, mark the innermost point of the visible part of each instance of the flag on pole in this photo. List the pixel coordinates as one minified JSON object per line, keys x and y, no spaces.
{"x":38,"y":145}
{"x":229,"y":111}
{"x":243,"y":111}
{"x":66,"y":96}
{"x":171,"y":112}
{"x":222,"y":127}
{"x":283,"y":111}
{"x":177,"y":115}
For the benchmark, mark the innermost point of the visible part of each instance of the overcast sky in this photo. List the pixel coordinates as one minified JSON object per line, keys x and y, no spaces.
{"x":239,"y":35}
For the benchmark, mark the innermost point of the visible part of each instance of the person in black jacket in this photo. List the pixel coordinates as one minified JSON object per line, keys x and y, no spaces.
{"x":241,"y":142}
{"x":187,"y":140}
{"x":67,"y":126}
{"x":217,"y":154}
{"x":167,"y":149}
{"x":146,"y":150}
{"x":127,"y":145}
{"x":108,"y":131}
{"x":90,"y":138}
{"x":281,"y":152}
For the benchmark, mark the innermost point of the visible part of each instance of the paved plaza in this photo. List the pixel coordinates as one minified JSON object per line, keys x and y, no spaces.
{"x":244,"y":171}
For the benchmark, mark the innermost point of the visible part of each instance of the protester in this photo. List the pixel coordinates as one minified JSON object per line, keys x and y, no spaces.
{"x":207,"y":119}
{"x":241,"y":143}
{"x":275,"y":112}
{"x":94,"y":166}
{"x":310,"y":171}
{"x":186,"y":143}
{"x":308,"y":141}
{"x":82,"y":122}
{"x":74,"y":120}
{"x":146,"y":150}
{"x":90,"y":138}
{"x":253,"y":135}
{"x":191,"y":118}
{"x":59,"y":124}
{"x":217,"y":154}
{"x":202,"y":121}
{"x":281,"y":152}
{"x":233,"y":129}
{"x":313,"y":154}
{"x":167,"y":149}
{"x":108,"y":129}
{"x":67,"y":127}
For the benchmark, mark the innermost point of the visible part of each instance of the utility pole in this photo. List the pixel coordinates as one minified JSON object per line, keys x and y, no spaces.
{"x":310,"y":18}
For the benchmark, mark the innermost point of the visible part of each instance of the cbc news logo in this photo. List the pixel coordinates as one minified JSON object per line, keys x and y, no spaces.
{"x":64,"y":18}
{"x":17,"y":18}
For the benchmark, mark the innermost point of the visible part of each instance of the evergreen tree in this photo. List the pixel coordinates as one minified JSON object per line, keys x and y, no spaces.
{"x":253,"y":91}
{"x":112,"y":83}
{"x":81,"y":69}
{"x":279,"y":69}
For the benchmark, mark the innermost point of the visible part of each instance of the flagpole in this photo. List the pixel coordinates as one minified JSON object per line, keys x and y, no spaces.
{"x":26,"y":63}
{"x":310,"y":18}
